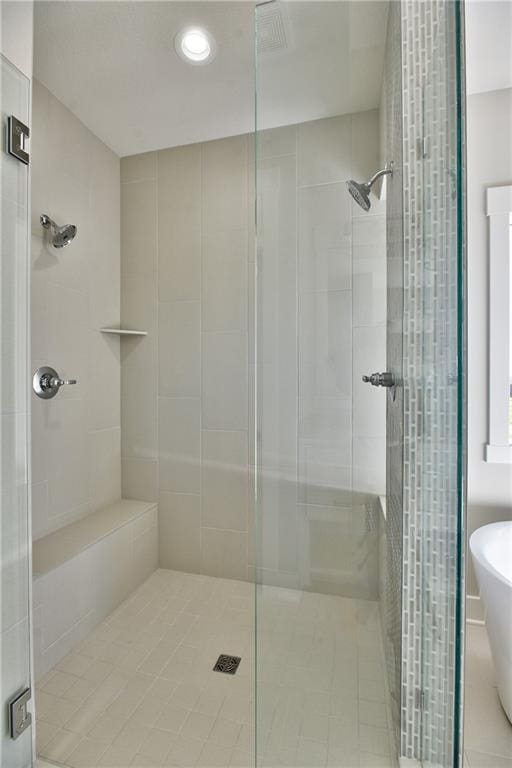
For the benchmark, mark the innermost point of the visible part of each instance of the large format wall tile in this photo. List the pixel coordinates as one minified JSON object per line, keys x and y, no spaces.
{"x":179,"y":349}
{"x":138,"y":226}
{"x":67,"y":316}
{"x":189,"y":447}
{"x":225,"y":281}
{"x":139,"y":311}
{"x":325,"y":232}
{"x":224,"y":195}
{"x":138,"y":167}
{"x":139,"y":415}
{"x":277,"y":534}
{"x":369,"y":282}
{"x":276,"y":142}
{"x":65,"y":429}
{"x":76,"y":451}
{"x":179,"y":444}
{"x":365,"y":144}
{"x":105,"y":467}
{"x":180,"y":531}
{"x":179,"y":265}
{"x":179,"y":223}
{"x":179,"y":199}
{"x":139,"y":479}
{"x":323,"y":151}
{"x":325,"y":344}
{"x":224,"y":372}
{"x":224,"y":553}
{"x":224,"y":480}
{"x":105,"y":361}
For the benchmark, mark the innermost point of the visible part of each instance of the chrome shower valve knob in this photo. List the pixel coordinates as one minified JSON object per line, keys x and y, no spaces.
{"x":47,"y":382}
{"x":380,"y":379}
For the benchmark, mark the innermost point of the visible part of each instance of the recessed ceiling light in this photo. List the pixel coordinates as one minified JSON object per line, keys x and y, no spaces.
{"x":195,"y":45}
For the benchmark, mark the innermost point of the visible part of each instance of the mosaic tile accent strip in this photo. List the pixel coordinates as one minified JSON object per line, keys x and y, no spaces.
{"x":430,"y":481}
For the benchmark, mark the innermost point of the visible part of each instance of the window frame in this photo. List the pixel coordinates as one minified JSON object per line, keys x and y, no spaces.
{"x":498,"y":450}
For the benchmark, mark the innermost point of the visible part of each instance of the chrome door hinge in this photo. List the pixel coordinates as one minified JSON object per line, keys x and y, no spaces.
{"x":17,"y":134}
{"x":19,"y":717}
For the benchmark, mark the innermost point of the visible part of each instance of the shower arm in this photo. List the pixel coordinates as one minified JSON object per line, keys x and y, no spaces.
{"x":383,"y":172}
{"x":46,"y":222}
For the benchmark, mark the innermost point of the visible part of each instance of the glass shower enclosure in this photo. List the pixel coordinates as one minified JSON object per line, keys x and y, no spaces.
{"x":358,"y":488}
{"x":357,"y":366}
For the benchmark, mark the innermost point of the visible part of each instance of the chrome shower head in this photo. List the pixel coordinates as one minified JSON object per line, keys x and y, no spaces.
{"x":61,"y":236}
{"x":360,"y":191}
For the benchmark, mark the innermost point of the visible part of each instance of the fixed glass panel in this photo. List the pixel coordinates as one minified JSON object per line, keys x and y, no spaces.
{"x":441,"y":384}
{"x":433,"y":354}
{"x":320,"y":325}
{"x":14,"y":525}
{"x":391,"y":538}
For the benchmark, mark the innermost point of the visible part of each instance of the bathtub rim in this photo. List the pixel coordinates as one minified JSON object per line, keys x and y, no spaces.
{"x":476,"y":545}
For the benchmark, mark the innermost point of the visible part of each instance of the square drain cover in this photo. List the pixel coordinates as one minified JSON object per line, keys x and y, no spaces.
{"x":227,"y":664}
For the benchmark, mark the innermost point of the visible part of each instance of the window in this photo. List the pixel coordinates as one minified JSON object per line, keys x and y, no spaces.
{"x":499,"y":211}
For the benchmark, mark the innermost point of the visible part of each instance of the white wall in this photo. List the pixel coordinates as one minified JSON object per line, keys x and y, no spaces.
{"x":76,"y":437}
{"x":489,"y":153}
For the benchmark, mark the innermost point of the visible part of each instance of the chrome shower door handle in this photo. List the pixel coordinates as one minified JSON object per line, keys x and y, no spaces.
{"x":47,"y":382}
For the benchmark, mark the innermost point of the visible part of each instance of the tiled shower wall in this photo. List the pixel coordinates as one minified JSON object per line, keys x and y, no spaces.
{"x":185,"y":412}
{"x":187,"y":273}
{"x":76,"y":437}
{"x":321,"y":325}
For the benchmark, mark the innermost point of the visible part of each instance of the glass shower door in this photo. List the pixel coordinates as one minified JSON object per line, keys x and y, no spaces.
{"x":16,"y":739}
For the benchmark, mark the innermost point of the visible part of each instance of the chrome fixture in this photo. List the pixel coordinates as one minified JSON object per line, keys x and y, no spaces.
{"x":380,"y":379}
{"x":17,"y":135}
{"x":47,"y":382}
{"x":360,"y":191}
{"x":61,"y":236}
{"x":19,"y":716}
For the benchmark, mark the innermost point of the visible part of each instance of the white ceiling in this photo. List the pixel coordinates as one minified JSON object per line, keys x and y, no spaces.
{"x":113,"y":64}
{"x":488,"y":45}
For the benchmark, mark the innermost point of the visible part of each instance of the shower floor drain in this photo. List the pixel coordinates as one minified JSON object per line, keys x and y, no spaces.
{"x":227,"y":664}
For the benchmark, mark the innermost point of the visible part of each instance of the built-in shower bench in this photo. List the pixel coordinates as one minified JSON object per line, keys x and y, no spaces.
{"x":85,"y":569}
{"x":67,"y":542}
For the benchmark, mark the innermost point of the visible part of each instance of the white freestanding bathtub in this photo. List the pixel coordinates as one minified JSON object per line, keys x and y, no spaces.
{"x":491,"y":547}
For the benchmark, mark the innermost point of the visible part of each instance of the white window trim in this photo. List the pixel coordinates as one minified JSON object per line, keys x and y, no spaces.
{"x":499,"y":211}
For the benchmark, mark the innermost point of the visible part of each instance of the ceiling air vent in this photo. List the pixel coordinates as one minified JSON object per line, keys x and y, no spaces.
{"x":273,"y":28}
